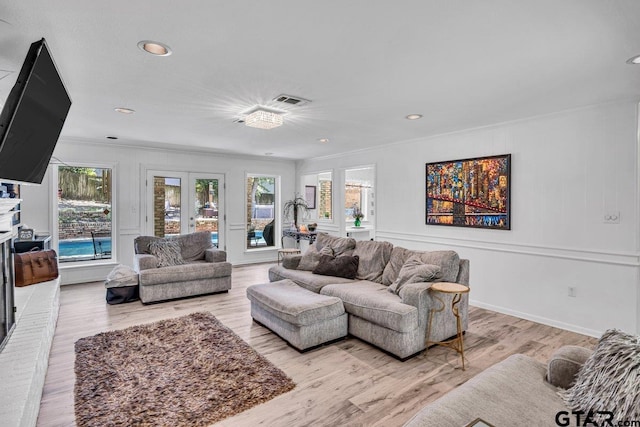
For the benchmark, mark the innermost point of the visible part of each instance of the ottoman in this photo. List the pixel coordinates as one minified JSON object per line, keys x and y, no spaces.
{"x":122,"y":285}
{"x":302,"y":318}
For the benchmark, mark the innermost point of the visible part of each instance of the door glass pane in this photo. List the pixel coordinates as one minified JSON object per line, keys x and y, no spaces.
{"x":206,"y":207}
{"x":166,"y":206}
{"x":84,"y":213}
{"x":261,"y":197}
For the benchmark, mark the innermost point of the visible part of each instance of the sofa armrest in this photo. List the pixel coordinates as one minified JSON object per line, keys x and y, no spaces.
{"x":565,"y":363}
{"x":215,"y":255}
{"x":144,"y":262}
{"x":417,"y":295}
{"x":291,"y":262}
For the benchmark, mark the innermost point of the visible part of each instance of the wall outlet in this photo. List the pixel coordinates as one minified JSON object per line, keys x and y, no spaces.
{"x":612,"y":218}
{"x":572,"y":291}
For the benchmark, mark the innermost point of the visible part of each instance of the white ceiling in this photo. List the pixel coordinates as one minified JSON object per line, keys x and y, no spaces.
{"x":364,"y":64}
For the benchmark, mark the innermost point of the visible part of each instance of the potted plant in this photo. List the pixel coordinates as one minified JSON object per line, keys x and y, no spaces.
{"x":357,"y":216}
{"x":293,"y":207}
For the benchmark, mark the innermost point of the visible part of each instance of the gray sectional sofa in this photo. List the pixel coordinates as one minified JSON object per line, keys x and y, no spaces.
{"x":519,"y":391}
{"x":394,"y":322}
{"x":576,"y":387}
{"x":200,"y":268}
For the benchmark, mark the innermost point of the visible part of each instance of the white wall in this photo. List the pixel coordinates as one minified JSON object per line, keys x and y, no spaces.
{"x":568,"y":170}
{"x":129,"y":204}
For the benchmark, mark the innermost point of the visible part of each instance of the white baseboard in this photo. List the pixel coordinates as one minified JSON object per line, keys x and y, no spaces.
{"x":537,"y":319}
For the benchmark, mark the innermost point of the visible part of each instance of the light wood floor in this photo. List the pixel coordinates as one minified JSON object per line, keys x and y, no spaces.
{"x":346,"y":383}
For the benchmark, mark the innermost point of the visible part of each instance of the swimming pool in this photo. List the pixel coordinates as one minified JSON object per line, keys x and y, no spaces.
{"x":76,"y":249}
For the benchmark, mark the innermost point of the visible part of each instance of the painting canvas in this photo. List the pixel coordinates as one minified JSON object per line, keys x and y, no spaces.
{"x":470,"y":192}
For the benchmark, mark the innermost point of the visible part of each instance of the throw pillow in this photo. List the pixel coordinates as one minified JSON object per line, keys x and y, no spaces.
{"x":565,"y":363}
{"x":340,"y":245}
{"x":342,"y":266}
{"x":311,"y":257}
{"x":373,"y":258}
{"x":167,"y":252}
{"x":608,"y":381}
{"x":415,"y":271}
{"x":449,"y":262}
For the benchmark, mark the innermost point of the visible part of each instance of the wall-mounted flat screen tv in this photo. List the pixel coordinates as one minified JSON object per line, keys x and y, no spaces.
{"x":32,"y":118}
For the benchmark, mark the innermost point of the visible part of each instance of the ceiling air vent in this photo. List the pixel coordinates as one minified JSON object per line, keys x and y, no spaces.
{"x":291,"y":100}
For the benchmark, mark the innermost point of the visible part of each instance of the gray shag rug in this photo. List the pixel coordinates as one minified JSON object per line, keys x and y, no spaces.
{"x":189,"y":371}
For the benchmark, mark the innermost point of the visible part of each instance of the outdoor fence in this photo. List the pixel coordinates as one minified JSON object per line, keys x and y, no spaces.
{"x":81,"y":229}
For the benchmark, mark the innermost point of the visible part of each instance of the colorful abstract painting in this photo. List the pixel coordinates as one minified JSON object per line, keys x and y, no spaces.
{"x":470,"y":192}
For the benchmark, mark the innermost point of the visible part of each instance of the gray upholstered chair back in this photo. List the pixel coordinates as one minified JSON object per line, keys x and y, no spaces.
{"x":463,"y":273}
{"x":192,"y":245}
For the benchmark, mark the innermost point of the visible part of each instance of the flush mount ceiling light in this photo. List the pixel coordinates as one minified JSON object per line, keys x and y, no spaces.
{"x":263,"y":119}
{"x":414,"y":116}
{"x":634,"y":60}
{"x":154,"y":48}
{"x":124,"y":110}
{"x":323,"y":140}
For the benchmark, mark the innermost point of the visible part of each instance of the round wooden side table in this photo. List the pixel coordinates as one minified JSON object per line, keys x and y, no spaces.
{"x":457,"y":290}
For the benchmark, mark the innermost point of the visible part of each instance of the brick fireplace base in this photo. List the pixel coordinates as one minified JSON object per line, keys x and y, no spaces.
{"x":24,"y":360}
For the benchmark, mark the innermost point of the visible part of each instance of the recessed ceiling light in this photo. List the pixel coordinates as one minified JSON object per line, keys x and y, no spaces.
{"x":124,"y":110}
{"x":634,"y":60}
{"x":155,"y":48}
{"x":112,"y":137}
{"x":414,"y":116}
{"x":324,"y":140}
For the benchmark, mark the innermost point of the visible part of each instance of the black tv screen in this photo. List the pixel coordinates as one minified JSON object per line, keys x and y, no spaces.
{"x":32,"y":118}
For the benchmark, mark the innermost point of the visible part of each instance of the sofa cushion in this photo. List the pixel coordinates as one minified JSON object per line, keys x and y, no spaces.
{"x":339,"y":245}
{"x":194,"y":245}
{"x":397,"y":259}
{"x":141,"y":243}
{"x":449,"y":262}
{"x":293,"y":304}
{"x":374,"y":256}
{"x":167,"y":252}
{"x":186,"y":272}
{"x":415,"y":271}
{"x":608,"y":381}
{"x":305,"y":279}
{"x":311,"y":257}
{"x":371,"y":301}
{"x":341,"y":266}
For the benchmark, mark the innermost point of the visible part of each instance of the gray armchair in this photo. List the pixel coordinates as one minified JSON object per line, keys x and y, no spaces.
{"x":204,"y":271}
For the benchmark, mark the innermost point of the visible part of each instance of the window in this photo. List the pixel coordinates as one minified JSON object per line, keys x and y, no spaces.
{"x":261,"y":212}
{"x":84,"y":213}
{"x":358,"y":193}
{"x":325,"y":209}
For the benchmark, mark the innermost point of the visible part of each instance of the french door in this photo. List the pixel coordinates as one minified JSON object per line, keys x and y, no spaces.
{"x":185,"y":202}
